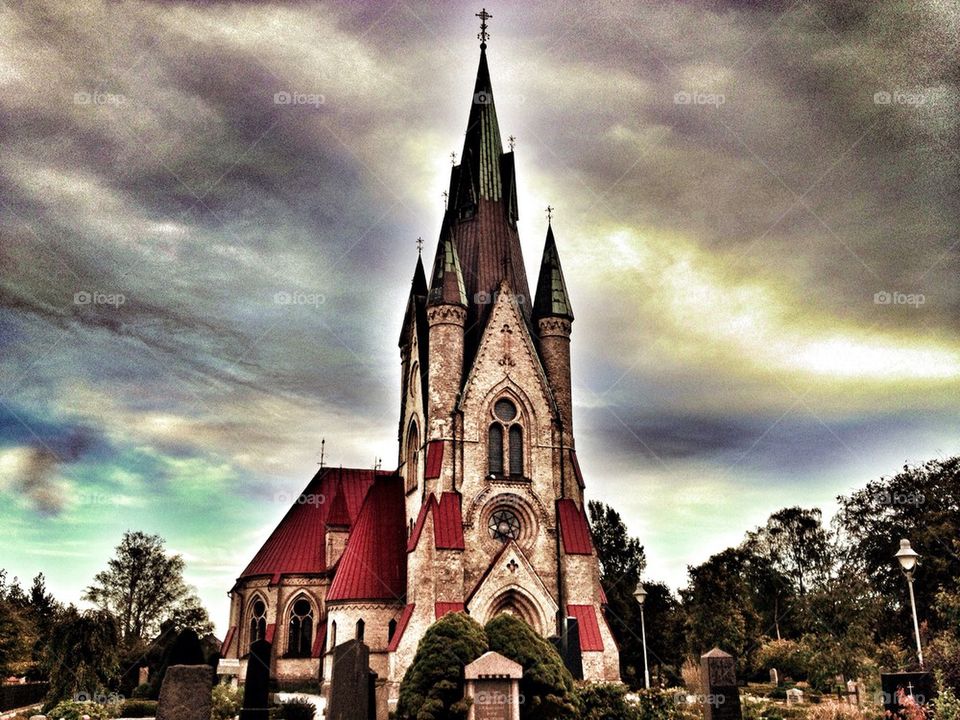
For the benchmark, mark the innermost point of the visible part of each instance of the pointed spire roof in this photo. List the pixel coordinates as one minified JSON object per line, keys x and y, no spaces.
{"x":446,"y":287}
{"x":418,"y":287}
{"x":339,"y":514}
{"x":551,"y":299}
{"x":482,"y":146}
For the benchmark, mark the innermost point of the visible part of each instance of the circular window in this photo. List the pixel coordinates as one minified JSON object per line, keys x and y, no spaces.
{"x":504,"y":525}
{"x":259,"y":609}
{"x":505,"y":410}
{"x":301,"y":607}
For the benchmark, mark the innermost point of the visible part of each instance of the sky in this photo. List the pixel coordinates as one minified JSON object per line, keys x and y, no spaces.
{"x":208,"y":224}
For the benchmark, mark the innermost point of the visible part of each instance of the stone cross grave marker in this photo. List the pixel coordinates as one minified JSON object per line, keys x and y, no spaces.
{"x":185,"y":693}
{"x":719,"y":672}
{"x":493,"y":686}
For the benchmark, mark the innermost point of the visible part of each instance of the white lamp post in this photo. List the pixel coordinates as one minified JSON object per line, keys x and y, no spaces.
{"x":908,"y":558}
{"x":640,"y":594}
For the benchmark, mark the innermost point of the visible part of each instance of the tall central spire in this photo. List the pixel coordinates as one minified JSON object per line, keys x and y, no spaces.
{"x":482,"y":209}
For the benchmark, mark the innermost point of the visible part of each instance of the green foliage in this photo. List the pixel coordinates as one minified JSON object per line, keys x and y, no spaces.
{"x":82,"y":653}
{"x":796,"y":544}
{"x":787,"y":656}
{"x":73,"y":710}
{"x":138,"y":709}
{"x":658,"y":704}
{"x":946,"y":706}
{"x":432,"y":687}
{"x":605,"y":701}
{"x":227,"y":701}
{"x":295,"y":709}
{"x":142,"y":691}
{"x":143,"y":585}
{"x":546,"y":686}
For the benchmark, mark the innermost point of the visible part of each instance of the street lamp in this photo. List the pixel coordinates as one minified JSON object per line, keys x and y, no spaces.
{"x":641,"y":594}
{"x":908,"y":558}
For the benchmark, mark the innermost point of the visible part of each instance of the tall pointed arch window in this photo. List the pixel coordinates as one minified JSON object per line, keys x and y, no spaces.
{"x":300,"y":629}
{"x":505,"y":441}
{"x":413,"y":457}
{"x":258,"y":620}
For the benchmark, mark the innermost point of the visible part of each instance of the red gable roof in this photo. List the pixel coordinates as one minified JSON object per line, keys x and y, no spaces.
{"x":586,"y":615}
{"x":373,"y":566}
{"x":401,"y":627}
{"x":227,"y":640}
{"x":297,"y":544}
{"x":574,"y":529}
{"x":442,"y":608}
{"x":447,"y":522}
{"x":434,"y":460}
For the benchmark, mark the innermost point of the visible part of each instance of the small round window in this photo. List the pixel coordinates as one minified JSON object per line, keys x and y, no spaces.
{"x":259,"y":609}
{"x":505,"y":410}
{"x":504,"y":525}
{"x":301,"y":607}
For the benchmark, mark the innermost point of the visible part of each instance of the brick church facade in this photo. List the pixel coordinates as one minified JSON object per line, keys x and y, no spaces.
{"x":485,"y":512}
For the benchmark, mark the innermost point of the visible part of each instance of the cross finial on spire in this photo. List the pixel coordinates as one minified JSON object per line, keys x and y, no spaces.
{"x":323,"y":447}
{"x":453,"y":158}
{"x":484,"y":35}
{"x":419,"y":245}
{"x":446,"y":196}
{"x":512,"y":141}
{"x":549,"y":214}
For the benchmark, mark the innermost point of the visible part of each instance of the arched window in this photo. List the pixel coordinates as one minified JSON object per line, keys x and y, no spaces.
{"x":413,"y":457}
{"x":505,"y":460}
{"x":258,"y":620}
{"x":516,"y":450}
{"x":391,"y":630}
{"x":333,"y":634}
{"x":361,"y":626}
{"x":495,"y":449}
{"x":300,"y":635}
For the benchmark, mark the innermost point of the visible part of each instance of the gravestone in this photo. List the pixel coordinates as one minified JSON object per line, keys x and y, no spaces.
{"x":571,"y":649}
{"x":185,"y":693}
{"x":853,"y":692}
{"x":493,"y":687}
{"x":722,"y":696}
{"x":350,"y":682}
{"x":917,"y":685}
{"x":144,"y":676}
{"x":774,"y":676}
{"x":256,"y":688}
{"x":794,"y":696}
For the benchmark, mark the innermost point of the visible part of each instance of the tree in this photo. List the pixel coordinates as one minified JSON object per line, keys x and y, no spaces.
{"x":83,"y":653}
{"x":432,"y":687}
{"x":143,"y":585}
{"x":797,"y":545}
{"x":546,"y":686}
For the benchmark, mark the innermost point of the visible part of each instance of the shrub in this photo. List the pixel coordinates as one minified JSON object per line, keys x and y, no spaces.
{"x":547,"y":686}
{"x":139,"y":709}
{"x":432,"y":687}
{"x":786,"y":656}
{"x":141,"y":691}
{"x":296,"y":709}
{"x":946,"y":706}
{"x":226,"y":702}
{"x":73,"y":710}
{"x":605,"y":701}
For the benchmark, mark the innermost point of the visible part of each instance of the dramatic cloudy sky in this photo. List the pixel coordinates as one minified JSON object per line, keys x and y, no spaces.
{"x":757,"y":210}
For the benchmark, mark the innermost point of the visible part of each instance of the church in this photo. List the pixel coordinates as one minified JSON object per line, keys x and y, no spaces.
{"x":485,"y":512}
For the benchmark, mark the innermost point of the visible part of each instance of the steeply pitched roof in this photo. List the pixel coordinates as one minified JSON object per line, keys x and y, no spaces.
{"x":442,"y":608}
{"x":447,"y":522}
{"x":373,"y":566}
{"x":551,"y":299}
{"x":590,"y":638}
{"x":297,"y":544}
{"x":574,"y":528}
{"x":446,"y":284}
{"x":401,"y":627}
{"x":338,"y":515}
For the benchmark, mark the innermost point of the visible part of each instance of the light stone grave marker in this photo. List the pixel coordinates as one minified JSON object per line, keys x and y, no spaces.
{"x":493,"y":686}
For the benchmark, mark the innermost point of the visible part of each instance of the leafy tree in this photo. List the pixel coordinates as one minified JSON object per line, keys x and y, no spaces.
{"x":13,"y":645}
{"x":621,"y":557}
{"x":83,"y":653}
{"x":142,"y":585}
{"x":546,"y":685}
{"x":797,"y":545}
{"x":432,"y":688}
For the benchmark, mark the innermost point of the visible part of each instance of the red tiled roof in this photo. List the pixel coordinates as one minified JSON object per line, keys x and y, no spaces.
{"x":227,"y":640}
{"x":586,"y":615}
{"x":401,"y":627}
{"x":338,"y":515}
{"x":442,"y":608}
{"x":448,"y":523}
{"x":297,"y":543}
{"x":271,"y":631}
{"x":373,"y":566}
{"x":434,"y":459}
{"x":574,"y":529}
{"x":576,"y":468}
{"x":318,"y":641}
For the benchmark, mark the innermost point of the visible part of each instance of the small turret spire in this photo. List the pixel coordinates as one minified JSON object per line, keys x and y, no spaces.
{"x":551,"y":299}
{"x":446,"y":283}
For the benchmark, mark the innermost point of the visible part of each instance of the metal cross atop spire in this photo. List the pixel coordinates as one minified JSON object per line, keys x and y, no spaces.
{"x":484,"y":35}
{"x":549,"y":214}
{"x":513,"y":141}
{"x":419,"y":245}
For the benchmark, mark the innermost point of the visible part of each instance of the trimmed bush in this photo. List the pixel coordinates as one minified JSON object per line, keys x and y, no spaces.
{"x":547,"y":686}
{"x":295,"y":709}
{"x":226,"y":702}
{"x":605,"y":701}
{"x":139,"y":709}
{"x":73,"y":710}
{"x":432,"y":687}
{"x":141,"y":691}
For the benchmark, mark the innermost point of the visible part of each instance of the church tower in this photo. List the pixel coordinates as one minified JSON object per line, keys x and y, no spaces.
{"x":494,"y":493}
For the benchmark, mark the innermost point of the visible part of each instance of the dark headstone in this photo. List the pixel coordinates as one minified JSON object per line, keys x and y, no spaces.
{"x":350,"y":682}
{"x":185,"y":693}
{"x":571,"y":649}
{"x":719,"y":671}
{"x":918,"y":685}
{"x":256,"y":688}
